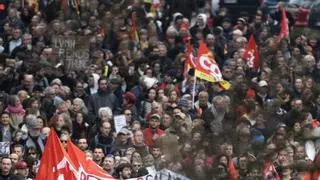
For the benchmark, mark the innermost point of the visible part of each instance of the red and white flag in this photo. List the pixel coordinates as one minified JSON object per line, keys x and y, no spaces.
{"x":205,"y":65}
{"x":251,"y":54}
{"x":57,"y":164}
{"x":189,"y":62}
{"x":86,"y":168}
{"x":284,"y":32}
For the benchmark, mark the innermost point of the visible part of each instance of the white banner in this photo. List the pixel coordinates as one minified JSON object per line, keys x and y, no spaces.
{"x":164,"y":174}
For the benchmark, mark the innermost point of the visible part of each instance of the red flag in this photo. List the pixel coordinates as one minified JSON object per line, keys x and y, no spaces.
{"x":252,"y":55}
{"x":133,"y":31}
{"x":270,"y":171}
{"x":87,"y":168}
{"x":232,"y":171}
{"x":284,"y":32}
{"x":55,"y":162}
{"x":316,"y":174}
{"x":205,"y":65}
{"x":189,"y":63}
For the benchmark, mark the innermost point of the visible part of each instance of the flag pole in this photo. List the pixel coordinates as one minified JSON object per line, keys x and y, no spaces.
{"x":194,"y":91}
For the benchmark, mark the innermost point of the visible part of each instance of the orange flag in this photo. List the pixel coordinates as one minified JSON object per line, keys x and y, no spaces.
{"x":232,"y":171}
{"x":251,"y":54}
{"x":87,"y":168}
{"x":55,"y":162}
{"x":133,"y":31}
{"x":284,"y":32}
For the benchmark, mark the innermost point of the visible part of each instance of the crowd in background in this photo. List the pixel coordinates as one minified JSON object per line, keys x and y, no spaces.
{"x":265,"y":126}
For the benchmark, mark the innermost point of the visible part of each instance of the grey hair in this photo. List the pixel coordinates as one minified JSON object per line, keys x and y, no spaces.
{"x":107,"y":110}
{"x":83,"y":106}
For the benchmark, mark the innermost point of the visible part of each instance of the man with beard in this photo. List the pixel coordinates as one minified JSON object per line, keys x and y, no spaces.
{"x":124,"y":171}
{"x":82,"y":144}
{"x":215,"y":114}
{"x":103,"y":98}
{"x":25,"y":47}
{"x":15,"y":41}
{"x":98,"y":155}
{"x":34,"y":138}
{"x":153,"y":132}
{"x":108,"y":164}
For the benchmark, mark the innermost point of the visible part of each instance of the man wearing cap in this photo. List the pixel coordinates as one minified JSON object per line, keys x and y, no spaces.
{"x":152,"y":133}
{"x":123,"y":140}
{"x":22,"y":170}
{"x":262,"y":95}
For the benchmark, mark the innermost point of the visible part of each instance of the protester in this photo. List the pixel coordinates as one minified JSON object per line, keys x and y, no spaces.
{"x":142,"y":87}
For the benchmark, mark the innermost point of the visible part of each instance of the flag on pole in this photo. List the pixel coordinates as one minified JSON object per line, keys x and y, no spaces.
{"x":251,"y":54}
{"x":87,"y":168}
{"x":205,"y":65}
{"x":133,"y":32}
{"x":189,"y":62}
{"x":284,"y":32}
{"x":55,"y":162}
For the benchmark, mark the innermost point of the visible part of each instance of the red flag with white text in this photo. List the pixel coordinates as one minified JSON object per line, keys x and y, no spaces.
{"x":86,"y":168}
{"x":189,"y":62}
{"x":251,"y":54}
{"x":55,"y":162}
{"x":205,"y":65}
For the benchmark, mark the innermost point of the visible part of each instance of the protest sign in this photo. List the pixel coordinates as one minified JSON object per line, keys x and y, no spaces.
{"x":164,"y":174}
{"x":72,"y":51}
{"x":4,"y":148}
{"x":119,"y":122}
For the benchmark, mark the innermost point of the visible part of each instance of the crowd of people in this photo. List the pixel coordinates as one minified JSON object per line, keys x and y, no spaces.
{"x":265,"y":126}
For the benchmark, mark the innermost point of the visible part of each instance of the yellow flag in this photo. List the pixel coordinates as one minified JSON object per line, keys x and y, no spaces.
{"x":225,"y":84}
{"x":106,"y":69}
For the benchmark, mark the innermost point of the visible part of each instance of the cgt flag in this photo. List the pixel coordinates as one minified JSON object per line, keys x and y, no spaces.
{"x":205,"y":65}
{"x":251,"y":55}
{"x":86,"y":168}
{"x":55,"y":162}
{"x":189,"y":62}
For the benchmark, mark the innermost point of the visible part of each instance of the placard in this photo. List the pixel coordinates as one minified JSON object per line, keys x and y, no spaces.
{"x":4,"y":148}
{"x":119,"y":122}
{"x":72,"y":51}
